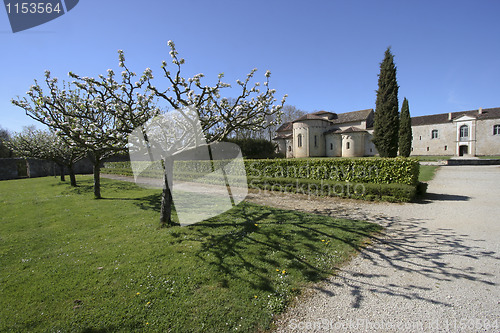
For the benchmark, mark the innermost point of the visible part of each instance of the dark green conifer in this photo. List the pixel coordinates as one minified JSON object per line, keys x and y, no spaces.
{"x":386,"y":122}
{"x":405,"y":134}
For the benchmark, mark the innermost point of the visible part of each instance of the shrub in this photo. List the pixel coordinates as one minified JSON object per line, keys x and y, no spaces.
{"x":255,"y":148}
{"x":422,"y":188}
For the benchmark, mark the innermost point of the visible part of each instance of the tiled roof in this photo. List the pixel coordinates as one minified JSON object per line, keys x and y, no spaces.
{"x":285,"y":127}
{"x":282,"y":136}
{"x":310,"y":116}
{"x":442,"y":118}
{"x":353,"y":129}
{"x":333,"y":130}
{"x":338,"y":118}
{"x":353,"y":116}
{"x":347,"y":130}
{"x":322,"y":112}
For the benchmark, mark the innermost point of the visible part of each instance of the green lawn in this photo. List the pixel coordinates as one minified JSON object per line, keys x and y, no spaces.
{"x":71,"y":263}
{"x":432,"y":158}
{"x":490,"y":157}
{"x":427,"y":172}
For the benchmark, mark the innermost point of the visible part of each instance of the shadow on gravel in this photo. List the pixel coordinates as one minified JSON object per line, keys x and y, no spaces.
{"x":410,"y":248}
{"x":430,"y":197}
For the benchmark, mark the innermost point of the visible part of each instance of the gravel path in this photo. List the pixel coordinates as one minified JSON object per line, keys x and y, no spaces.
{"x":437,"y":269}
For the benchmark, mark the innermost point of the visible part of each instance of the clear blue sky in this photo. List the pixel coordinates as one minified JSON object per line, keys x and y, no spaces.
{"x":324,"y":54}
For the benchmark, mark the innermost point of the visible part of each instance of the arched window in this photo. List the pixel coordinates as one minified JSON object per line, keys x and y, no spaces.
{"x":289,"y":148}
{"x":348,"y":145}
{"x":315,"y":141}
{"x":331,"y":146}
{"x":464,"y":131}
{"x":434,"y":134}
{"x":496,"y":130}
{"x":299,"y":140}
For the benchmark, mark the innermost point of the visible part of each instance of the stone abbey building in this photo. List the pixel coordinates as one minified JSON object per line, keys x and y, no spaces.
{"x":464,"y":133}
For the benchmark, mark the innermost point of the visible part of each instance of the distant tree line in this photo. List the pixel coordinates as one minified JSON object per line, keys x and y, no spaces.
{"x":5,"y":151}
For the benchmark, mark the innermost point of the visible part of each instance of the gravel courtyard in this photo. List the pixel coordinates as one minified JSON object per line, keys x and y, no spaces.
{"x":436,"y":269}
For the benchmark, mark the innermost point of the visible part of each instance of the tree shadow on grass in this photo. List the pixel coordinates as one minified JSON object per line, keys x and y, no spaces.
{"x":254,"y":244}
{"x":39,"y":327}
{"x":109,"y":187}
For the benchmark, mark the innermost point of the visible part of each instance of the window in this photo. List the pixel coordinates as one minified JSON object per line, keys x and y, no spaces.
{"x":434,"y":134}
{"x":427,"y":148}
{"x":315,"y":141}
{"x":496,"y":130}
{"x":289,"y":148}
{"x":464,"y":131}
{"x":299,"y":140}
{"x":445,"y":147}
{"x":420,"y":138}
{"x":331,"y":146}
{"x":348,"y":145}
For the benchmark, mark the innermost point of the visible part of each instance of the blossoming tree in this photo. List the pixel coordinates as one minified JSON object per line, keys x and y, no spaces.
{"x":45,"y":145}
{"x":94,"y":114}
{"x":253,"y":109}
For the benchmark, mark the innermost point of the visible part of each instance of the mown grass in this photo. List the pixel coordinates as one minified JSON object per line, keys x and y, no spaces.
{"x":490,"y":157}
{"x":432,"y":158}
{"x":427,"y":172}
{"x":71,"y":263}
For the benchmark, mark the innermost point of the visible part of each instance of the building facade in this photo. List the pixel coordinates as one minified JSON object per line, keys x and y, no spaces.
{"x":465,"y":133}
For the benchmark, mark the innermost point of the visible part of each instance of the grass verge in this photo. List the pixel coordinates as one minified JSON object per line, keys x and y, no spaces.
{"x":432,"y":158}
{"x":71,"y":263}
{"x":490,"y":157}
{"x":427,"y":172}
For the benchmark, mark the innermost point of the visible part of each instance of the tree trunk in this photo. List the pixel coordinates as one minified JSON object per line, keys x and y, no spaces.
{"x":97,"y":179}
{"x":72,"y":175}
{"x":166,"y":196}
{"x":61,"y":169}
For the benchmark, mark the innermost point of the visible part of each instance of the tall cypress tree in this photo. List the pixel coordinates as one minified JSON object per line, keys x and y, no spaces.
{"x":386,"y":122}
{"x":405,"y":134}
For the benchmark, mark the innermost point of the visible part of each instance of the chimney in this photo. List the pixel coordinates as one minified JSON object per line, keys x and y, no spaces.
{"x":449,"y":115}
{"x":480,"y":111}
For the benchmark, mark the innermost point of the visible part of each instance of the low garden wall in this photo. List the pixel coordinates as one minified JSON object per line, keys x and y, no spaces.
{"x":13,"y":168}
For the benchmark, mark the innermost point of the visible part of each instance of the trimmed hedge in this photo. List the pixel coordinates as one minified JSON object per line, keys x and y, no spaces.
{"x":364,"y":191}
{"x":360,"y":170}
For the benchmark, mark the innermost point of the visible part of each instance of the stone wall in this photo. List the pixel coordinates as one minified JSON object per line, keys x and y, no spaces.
{"x":13,"y":168}
{"x":488,"y":143}
{"x":9,"y":168}
{"x":444,"y":144}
